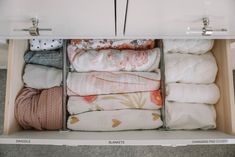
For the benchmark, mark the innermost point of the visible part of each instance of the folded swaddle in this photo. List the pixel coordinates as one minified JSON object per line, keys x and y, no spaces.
{"x":193,"y":46}
{"x":41,"y":77}
{"x":96,"y":83}
{"x":121,"y":44}
{"x":140,"y":100}
{"x":46,"y":58}
{"x":45,"y":44}
{"x":190,"y":116}
{"x":193,"y":93}
{"x":187,"y":68}
{"x":113,"y":60}
{"x":39,"y":109}
{"x":115,"y":120}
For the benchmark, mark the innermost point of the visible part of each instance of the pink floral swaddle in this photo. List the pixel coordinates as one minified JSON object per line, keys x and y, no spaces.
{"x":113,"y":60}
{"x":95,"y":83}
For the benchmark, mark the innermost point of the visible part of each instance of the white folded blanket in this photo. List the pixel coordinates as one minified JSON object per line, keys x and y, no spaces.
{"x":187,"y":68}
{"x":41,"y":77}
{"x":96,"y":83}
{"x":140,"y":100}
{"x":113,"y":60}
{"x":115,"y":120}
{"x":190,"y":116}
{"x":193,"y":93}
{"x":193,"y":46}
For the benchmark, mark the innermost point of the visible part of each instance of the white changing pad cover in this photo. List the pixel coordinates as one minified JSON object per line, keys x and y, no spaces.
{"x":193,"y":93}
{"x":192,"y":46}
{"x":188,"y":68}
{"x":188,"y":116}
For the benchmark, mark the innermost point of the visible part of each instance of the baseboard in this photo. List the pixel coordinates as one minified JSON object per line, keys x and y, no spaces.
{"x":3,"y":67}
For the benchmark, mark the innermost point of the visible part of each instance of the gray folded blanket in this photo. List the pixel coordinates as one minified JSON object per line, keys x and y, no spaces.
{"x":46,"y":58}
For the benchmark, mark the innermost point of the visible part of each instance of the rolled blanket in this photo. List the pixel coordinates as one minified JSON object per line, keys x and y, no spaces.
{"x":140,"y":100}
{"x":187,"y":68}
{"x":190,"y":116}
{"x":193,"y":93}
{"x":41,"y":77}
{"x":96,"y":83}
{"x":113,"y":60}
{"x":46,"y":58}
{"x":115,"y":120}
{"x":120,"y":44}
{"x":41,"y":110}
{"x":45,"y":44}
{"x":193,"y":46}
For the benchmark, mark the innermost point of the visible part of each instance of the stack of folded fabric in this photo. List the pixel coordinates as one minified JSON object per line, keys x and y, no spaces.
{"x":114,"y":85}
{"x":39,"y":103}
{"x":191,"y":71}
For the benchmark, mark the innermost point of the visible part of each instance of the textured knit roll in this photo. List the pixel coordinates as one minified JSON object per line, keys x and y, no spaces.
{"x":39,"y":109}
{"x":46,"y":58}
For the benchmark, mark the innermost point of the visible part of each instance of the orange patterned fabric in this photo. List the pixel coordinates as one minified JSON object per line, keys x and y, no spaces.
{"x":110,"y":102}
{"x":120,"y":44}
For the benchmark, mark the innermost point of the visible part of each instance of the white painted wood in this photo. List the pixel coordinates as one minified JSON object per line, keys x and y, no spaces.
{"x":67,"y":19}
{"x":171,"y":19}
{"x":148,"y":137}
{"x":121,"y":10}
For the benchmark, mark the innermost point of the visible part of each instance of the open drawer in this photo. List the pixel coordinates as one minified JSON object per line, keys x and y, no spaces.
{"x":225,"y":108}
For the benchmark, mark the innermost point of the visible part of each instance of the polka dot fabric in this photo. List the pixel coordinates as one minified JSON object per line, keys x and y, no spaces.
{"x":45,"y":44}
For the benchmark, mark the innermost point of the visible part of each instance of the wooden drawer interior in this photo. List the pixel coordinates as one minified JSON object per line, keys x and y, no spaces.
{"x":225,"y":108}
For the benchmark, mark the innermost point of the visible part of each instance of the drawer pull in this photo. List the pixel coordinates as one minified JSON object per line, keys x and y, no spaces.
{"x":34,"y":30}
{"x":206,"y":29}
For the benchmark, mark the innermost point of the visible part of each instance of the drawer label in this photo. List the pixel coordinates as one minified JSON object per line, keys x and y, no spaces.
{"x":23,"y":141}
{"x":116,"y":142}
{"x":211,"y":141}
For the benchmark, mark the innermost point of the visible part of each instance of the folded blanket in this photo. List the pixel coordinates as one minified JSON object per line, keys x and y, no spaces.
{"x":190,"y":116}
{"x":121,"y":44}
{"x":41,"y":77}
{"x":193,"y":93}
{"x":46,"y":58}
{"x":41,"y":110}
{"x":96,"y":83}
{"x":193,"y":46}
{"x":45,"y":44}
{"x":140,"y":100}
{"x":187,"y":68}
{"x":113,"y":60}
{"x":115,"y":120}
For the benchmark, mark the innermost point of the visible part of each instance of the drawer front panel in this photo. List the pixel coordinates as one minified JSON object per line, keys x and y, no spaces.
{"x":72,"y":18}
